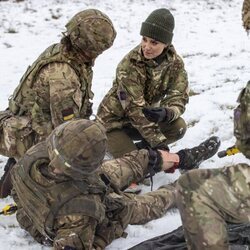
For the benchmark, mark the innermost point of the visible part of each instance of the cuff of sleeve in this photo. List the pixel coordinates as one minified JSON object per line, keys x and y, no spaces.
{"x":157,"y":140}
{"x":175,"y":113}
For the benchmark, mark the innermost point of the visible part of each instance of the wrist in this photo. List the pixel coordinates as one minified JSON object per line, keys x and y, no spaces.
{"x":155,"y":161}
{"x":169,"y":115}
{"x":170,"y":161}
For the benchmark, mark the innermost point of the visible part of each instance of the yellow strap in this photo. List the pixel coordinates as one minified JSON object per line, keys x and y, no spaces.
{"x":233,"y":151}
{"x":68,"y":117}
{"x":9,"y":209}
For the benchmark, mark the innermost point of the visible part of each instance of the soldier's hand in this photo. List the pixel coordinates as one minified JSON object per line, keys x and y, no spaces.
{"x":158,"y":114}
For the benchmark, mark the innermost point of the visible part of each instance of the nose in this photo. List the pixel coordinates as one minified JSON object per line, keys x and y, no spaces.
{"x":146,"y":45}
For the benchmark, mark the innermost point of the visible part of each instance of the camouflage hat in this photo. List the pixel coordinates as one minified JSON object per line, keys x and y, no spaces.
{"x":242,"y":121}
{"x":92,"y":31}
{"x":77,"y":147}
{"x":246,"y":15}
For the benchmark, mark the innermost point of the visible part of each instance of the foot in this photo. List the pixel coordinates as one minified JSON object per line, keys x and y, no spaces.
{"x":193,"y":157}
{"x":5,"y":181}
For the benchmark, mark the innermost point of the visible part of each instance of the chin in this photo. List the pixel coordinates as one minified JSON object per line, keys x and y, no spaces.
{"x":149,"y":57}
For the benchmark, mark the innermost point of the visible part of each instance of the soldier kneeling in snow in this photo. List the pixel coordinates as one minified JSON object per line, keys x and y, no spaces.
{"x":55,"y":88}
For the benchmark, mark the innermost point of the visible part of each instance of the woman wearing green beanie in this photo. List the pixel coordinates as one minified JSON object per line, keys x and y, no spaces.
{"x":149,"y":93}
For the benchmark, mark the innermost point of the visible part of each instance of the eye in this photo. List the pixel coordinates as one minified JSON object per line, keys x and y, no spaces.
{"x":144,"y":39}
{"x":153,"y":42}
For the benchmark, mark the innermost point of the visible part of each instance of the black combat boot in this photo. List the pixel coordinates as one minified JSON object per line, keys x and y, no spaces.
{"x":5,"y":181}
{"x":193,"y":157}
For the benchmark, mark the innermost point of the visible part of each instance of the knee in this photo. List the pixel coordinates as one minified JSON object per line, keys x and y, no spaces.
{"x":181,"y":127}
{"x":184,"y":191}
{"x":174,"y":130}
{"x":115,"y":147}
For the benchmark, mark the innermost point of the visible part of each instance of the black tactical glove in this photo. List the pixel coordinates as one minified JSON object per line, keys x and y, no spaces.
{"x":158,"y":114}
{"x":142,"y":144}
{"x":162,"y":146}
{"x":69,"y":248}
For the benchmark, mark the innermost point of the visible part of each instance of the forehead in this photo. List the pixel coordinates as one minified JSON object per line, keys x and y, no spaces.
{"x":151,"y":40}
{"x":146,"y":38}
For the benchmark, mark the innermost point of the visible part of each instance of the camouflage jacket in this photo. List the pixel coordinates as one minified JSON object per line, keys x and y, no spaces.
{"x":82,"y":214}
{"x":145,"y":83}
{"x":242,"y":121}
{"x":55,"y":88}
{"x":246,"y":14}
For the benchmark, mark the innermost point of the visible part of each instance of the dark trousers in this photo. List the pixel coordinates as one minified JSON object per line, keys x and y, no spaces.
{"x":121,"y":141}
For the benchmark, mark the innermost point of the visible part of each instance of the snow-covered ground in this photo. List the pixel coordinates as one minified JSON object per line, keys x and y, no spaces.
{"x":208,"y":35}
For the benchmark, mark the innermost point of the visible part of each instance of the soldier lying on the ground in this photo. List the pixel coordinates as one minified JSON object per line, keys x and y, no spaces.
{"x":55,"y":88}
{"x":67,"y":196}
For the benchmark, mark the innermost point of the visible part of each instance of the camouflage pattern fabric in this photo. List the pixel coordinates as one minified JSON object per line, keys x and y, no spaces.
{"x":91,"y":31}
{"x":77,"y":147}
{"x":246,"y":15}
{"x":53,"y":90}
{"x":207,"y":199}
{"x":242,"y":121}
{"x":81,"y":225}
{"x":57,"y":86}
{"x":145,"y":83}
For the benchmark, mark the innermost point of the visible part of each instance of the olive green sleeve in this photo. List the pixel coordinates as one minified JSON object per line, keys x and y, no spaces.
{"x":130,"y":79}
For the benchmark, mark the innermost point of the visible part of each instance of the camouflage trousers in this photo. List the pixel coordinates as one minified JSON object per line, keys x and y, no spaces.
{"x":121,"y":141}
{"x":141,"y":208}
{"x":207,"y":199}
{"x":151,"y":205}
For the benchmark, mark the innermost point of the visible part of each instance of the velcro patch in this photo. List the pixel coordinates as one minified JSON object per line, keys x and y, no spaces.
{"x":68,"y":114}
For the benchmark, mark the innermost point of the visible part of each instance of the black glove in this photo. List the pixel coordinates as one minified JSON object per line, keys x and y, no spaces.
{"x":158,"y":114}
{"x":162,"y":146}
{"x":142,"y":144}
{"x":69,"y":248}
{"x":155,"y":114}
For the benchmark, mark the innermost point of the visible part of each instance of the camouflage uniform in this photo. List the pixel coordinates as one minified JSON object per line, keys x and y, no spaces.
{"x":246,"y":15}
{"x":67,"y":195}
{"x":57,"y":86}
{"x":144,"y":83}
{"x":87,"y":213}
{"x":208,"y":198}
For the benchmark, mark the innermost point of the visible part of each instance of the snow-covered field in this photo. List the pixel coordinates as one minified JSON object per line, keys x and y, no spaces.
{"x":208,"y":35}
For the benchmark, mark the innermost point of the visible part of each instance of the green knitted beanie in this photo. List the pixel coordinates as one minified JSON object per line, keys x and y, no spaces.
{"x":159,"y":26}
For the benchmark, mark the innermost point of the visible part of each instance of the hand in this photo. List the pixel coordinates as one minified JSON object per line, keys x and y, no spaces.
{"x":155,"y":114}
{"x":158,"y":114}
